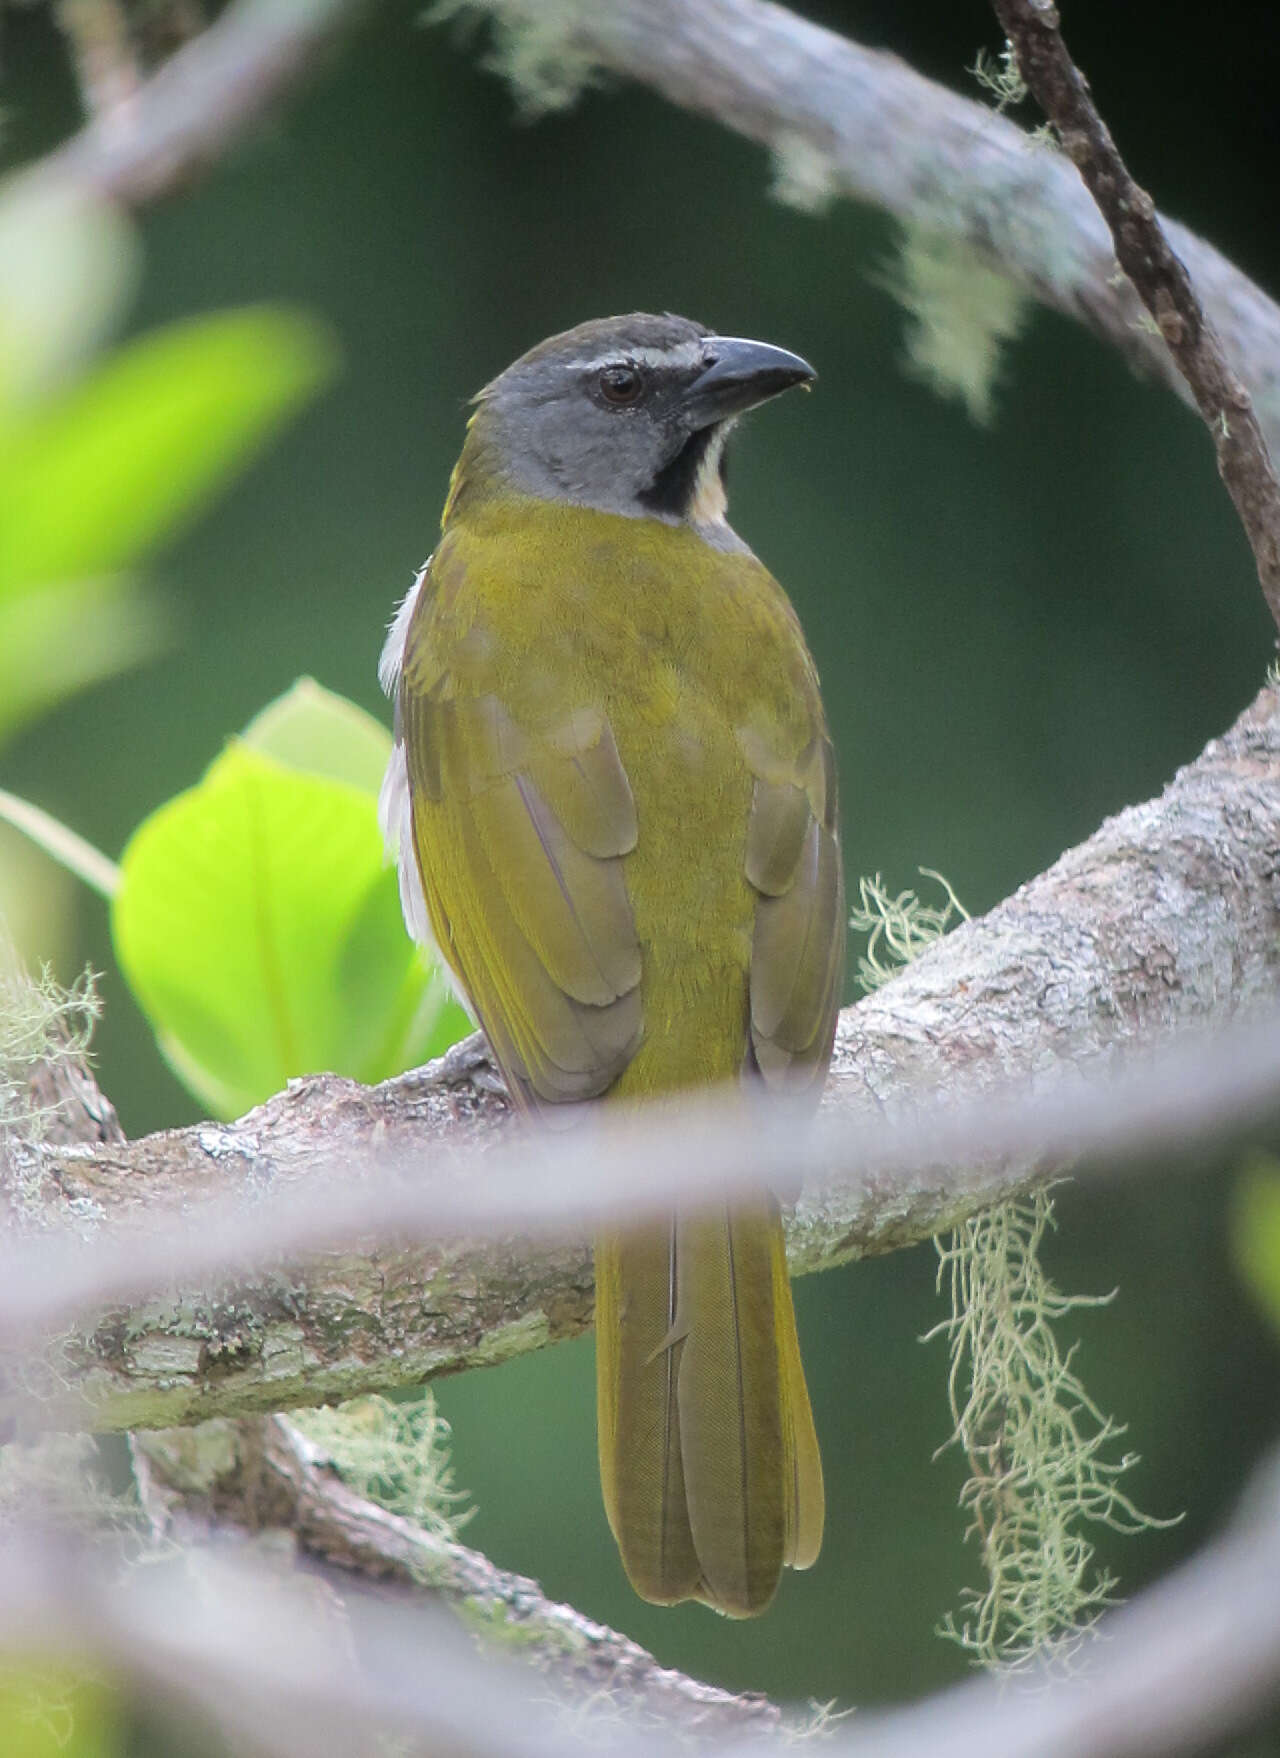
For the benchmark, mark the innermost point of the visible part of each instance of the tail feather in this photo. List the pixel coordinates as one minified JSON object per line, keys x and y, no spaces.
{"x":708,"y":1457}
{"x":802,"y":1462}
{"x":637,"y":1368}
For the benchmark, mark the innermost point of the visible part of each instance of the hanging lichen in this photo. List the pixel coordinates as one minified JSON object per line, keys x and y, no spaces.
{"x":1039,"y":1450}
{"x":1036,"y":1444}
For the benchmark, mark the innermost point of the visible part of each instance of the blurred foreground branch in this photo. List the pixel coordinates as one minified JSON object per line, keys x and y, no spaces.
{"x":194,"y":108}
{"x":423,"y":1258}
{"x":273,"y":1654}
{"x":204,"y":1485}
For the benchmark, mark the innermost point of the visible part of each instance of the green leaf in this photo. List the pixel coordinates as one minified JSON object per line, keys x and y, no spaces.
{"x":92,"y":478}
{"x":259,"y":925}
{"x":1255,"y":1231}
{"x":312,"y":729}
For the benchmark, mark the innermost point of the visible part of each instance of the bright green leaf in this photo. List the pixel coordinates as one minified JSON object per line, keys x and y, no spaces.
{"x":312,"y":729}
{"x":49,"y":1711}
{"x":92,"y":478}
{"x":260,"y":929}
{"x":1256,"y":1233}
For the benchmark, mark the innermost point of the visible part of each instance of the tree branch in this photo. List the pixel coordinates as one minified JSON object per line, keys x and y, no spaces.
{"x":1165,"y":921}
{"x":264,"y":1474}
{"x":1191,"y":1661}
{"x":872,"y":128}
{"x":1160,"y":278}
{"x":189,"y":113}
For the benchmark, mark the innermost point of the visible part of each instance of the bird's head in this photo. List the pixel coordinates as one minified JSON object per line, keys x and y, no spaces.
{"x":625,"y":415}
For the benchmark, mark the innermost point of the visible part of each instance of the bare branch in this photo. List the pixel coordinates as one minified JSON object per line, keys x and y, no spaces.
{"x":265,"y":1472}
{"x":874,"y":129}
{"x":1160,"y":278}
{"x":97,"y":33}
{"x":1164,"y":922}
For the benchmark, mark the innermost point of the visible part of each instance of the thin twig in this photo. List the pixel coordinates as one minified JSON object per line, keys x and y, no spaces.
{"x":1161,"y":279}
{"x":107,"y":67}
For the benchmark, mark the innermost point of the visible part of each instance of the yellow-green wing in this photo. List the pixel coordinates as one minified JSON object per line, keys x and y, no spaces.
{"x":798,"y":945}
{"x":519,"y":833}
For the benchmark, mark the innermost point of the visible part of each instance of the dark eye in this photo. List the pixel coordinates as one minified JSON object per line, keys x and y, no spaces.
{"x":621,"y":383}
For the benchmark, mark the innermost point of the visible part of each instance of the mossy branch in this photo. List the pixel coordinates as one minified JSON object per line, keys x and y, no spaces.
{"x":270,"y":1473}
{"x":1165,"y":921}
{"x":842,"y":120}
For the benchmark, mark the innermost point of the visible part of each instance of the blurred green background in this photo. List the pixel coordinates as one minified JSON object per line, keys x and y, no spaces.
{"x":1020,"y":629}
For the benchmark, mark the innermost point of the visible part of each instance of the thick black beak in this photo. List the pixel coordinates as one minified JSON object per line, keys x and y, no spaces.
{"x":740,"y":374}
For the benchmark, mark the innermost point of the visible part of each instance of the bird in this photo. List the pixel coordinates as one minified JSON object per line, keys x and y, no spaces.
{"x":612,"y":799}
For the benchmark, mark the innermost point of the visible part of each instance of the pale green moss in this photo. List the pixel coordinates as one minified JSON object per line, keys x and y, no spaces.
{"x":899,"y":927}
{"x":533,"y":47}
{"x":395,"y":1454}
{"x":804,"y":176}
{"x":1037,"y":1446}
{"x":960,"y":313}
{"x":39,"y":1022}
{"x":1000,"y":77}
{"x":820,"y":1721}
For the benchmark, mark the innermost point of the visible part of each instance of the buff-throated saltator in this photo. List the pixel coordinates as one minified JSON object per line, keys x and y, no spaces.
{"x":613,"y":801}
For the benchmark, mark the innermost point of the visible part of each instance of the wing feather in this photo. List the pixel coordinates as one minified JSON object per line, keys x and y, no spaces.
{"x":792,"y":858}
{"x":518,"y":834}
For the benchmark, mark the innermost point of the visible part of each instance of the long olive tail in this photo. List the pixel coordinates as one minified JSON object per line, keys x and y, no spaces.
{"x":708,"y":1458}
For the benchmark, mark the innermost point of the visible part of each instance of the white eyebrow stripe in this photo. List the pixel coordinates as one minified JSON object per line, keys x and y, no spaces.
{"x":683,"y":354}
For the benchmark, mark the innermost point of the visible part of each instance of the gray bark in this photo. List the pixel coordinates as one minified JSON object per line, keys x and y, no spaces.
{"x":871,"y":127}
{"x":1167,"y":920}
{"x":263,"y":1476}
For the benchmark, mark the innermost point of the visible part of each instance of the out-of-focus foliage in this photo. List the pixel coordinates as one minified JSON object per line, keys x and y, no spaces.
{"x":100,"y":464}
{"x":1256,"y":1233}
{"x":259,"y":924}
{"x":47,"y":1711}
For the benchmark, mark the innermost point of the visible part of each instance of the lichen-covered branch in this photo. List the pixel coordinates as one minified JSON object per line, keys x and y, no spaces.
{"x":264,"y":1474}
{"x":1167,"y":920}
{"x":845,"y":120}
{"x":1160,"y":278}
{"x":840,"y":120}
